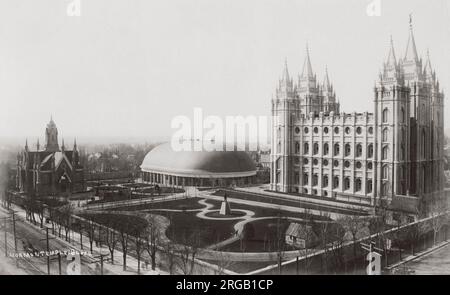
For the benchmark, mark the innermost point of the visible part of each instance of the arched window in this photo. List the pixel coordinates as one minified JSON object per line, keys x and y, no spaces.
{"x":385,"y":172}
{"x":325,"y":181}
{"x":306,"y":148}
{"x":369,"y":185}
{"x":305,"y":179}
{"x":370,"y":151}
{"x":315,"y":179}
{"x":326,"y":149}
{"x":385,"y":189}
{"x":385,"y":134}
{"x":358,"y":150}
{"x":358,"y":184}
{"x":348,"y":149}
{"x":336,"y":149}
{"x":403,"y":115}
{"x":316,"y":148}
{"x":385,"y":115}
{"x":336,"y":182}
{"x":297,"y":147}
{"x":279,"y":147}
{"x":424,"y":144}
{"x":385,"y":153}
{"x":347,"y":183}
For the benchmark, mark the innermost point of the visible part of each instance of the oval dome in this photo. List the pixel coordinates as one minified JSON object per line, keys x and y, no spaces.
{"x":164,"y":159}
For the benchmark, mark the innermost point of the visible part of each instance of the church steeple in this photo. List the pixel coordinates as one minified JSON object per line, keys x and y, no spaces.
{"x":391,"y":60}
{"x":286,"y":86}
{"x":37,"y":145}
{"x":51,"y":137}
{"x":411,"y":64}
{"x":307,"y":68}
{"x":307,"y":82}
{"x":326,"y":80}
{"x":390,"y":72}
{"x":411,"y":50}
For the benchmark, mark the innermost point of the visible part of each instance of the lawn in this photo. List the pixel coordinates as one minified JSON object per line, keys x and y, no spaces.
{"x":186,"y":228}
{"x":266,"y":212}
{"x":179,"y":204}
{"x":280,"y":201}
{"x":262,"y":236}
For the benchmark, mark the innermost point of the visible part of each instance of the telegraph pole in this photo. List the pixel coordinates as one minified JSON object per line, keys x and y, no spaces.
{"x":6,"y":241}
{"x":14,"y":230}
{"x":48,"y":251}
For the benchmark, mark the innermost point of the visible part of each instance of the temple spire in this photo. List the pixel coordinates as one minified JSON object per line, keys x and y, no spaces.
{"x":307,"y":68}
{"x":37,"y":145}
{"x":74,"y":144}
{"x":285,"y":75}
{"x":391,"y":60}
{"x":428,"y":68}
{"x":411,"y":50}
{"x":326,"y":80}
{"x":26,"y":144}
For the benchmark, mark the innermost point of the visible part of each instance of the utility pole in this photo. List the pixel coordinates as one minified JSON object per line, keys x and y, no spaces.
{"x":6,"y":241}
{"x":48,"y":252}
{"x":14,"y":230}
{"x":59,"y":263}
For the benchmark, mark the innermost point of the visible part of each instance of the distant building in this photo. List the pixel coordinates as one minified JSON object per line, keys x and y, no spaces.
{"x":300,"y":235}
{"x":163,"y":165}
{"x":53,"y":170}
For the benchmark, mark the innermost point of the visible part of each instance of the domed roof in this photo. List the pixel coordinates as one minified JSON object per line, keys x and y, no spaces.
{"x":163,"y":159}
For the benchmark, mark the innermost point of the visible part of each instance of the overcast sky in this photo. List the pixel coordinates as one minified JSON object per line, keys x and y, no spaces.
{"x":126,"y":68}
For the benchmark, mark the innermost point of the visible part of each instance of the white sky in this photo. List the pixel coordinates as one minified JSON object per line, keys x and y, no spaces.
{"x":126,"y":68}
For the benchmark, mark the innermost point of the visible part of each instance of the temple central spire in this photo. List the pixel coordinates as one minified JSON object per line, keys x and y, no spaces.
{"x":307,"y":68}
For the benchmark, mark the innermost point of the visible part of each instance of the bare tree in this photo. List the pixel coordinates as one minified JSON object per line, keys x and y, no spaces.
{"x":124,"y":238}
{"x":66,"y":212}
{"x":152,"y":240}
{"x":111,"y":241}
{"x":354,"y":225}
{"x":188,"y":251}
{"x":323,"y":229}
{"x":169,"y":252}
{"x":223,"y":263}
{"x":40,"y":209}
{"x":140,"y":234}
{"x":89,"y":226}
{"x":438,"y":214}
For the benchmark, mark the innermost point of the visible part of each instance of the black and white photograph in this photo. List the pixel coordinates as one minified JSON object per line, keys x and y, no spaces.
{"x":225,"y":138}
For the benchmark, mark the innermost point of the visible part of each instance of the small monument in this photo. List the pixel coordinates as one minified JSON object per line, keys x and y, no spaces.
{"x":225,"y":208}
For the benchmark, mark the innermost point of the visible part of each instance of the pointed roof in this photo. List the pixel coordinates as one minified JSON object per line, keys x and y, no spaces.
{"x":391,"y":60}
{"x":411,"y":50}
{"x":326,"y":80}
{"x":307,"y":68}
{"x":51,"y":123}
{"x":428,"y":68}
{"x":285,"y":74}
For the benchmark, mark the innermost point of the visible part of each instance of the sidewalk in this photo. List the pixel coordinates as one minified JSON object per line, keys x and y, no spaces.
{"x":116,"y":269}
{"x":418,"y":255}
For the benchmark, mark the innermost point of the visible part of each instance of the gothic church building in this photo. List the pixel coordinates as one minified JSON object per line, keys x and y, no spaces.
{"x":396,"y":150}
{"x":53,"y":170}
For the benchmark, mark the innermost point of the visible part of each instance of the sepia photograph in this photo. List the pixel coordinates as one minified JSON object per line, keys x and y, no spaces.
{"x":223,"y":137}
